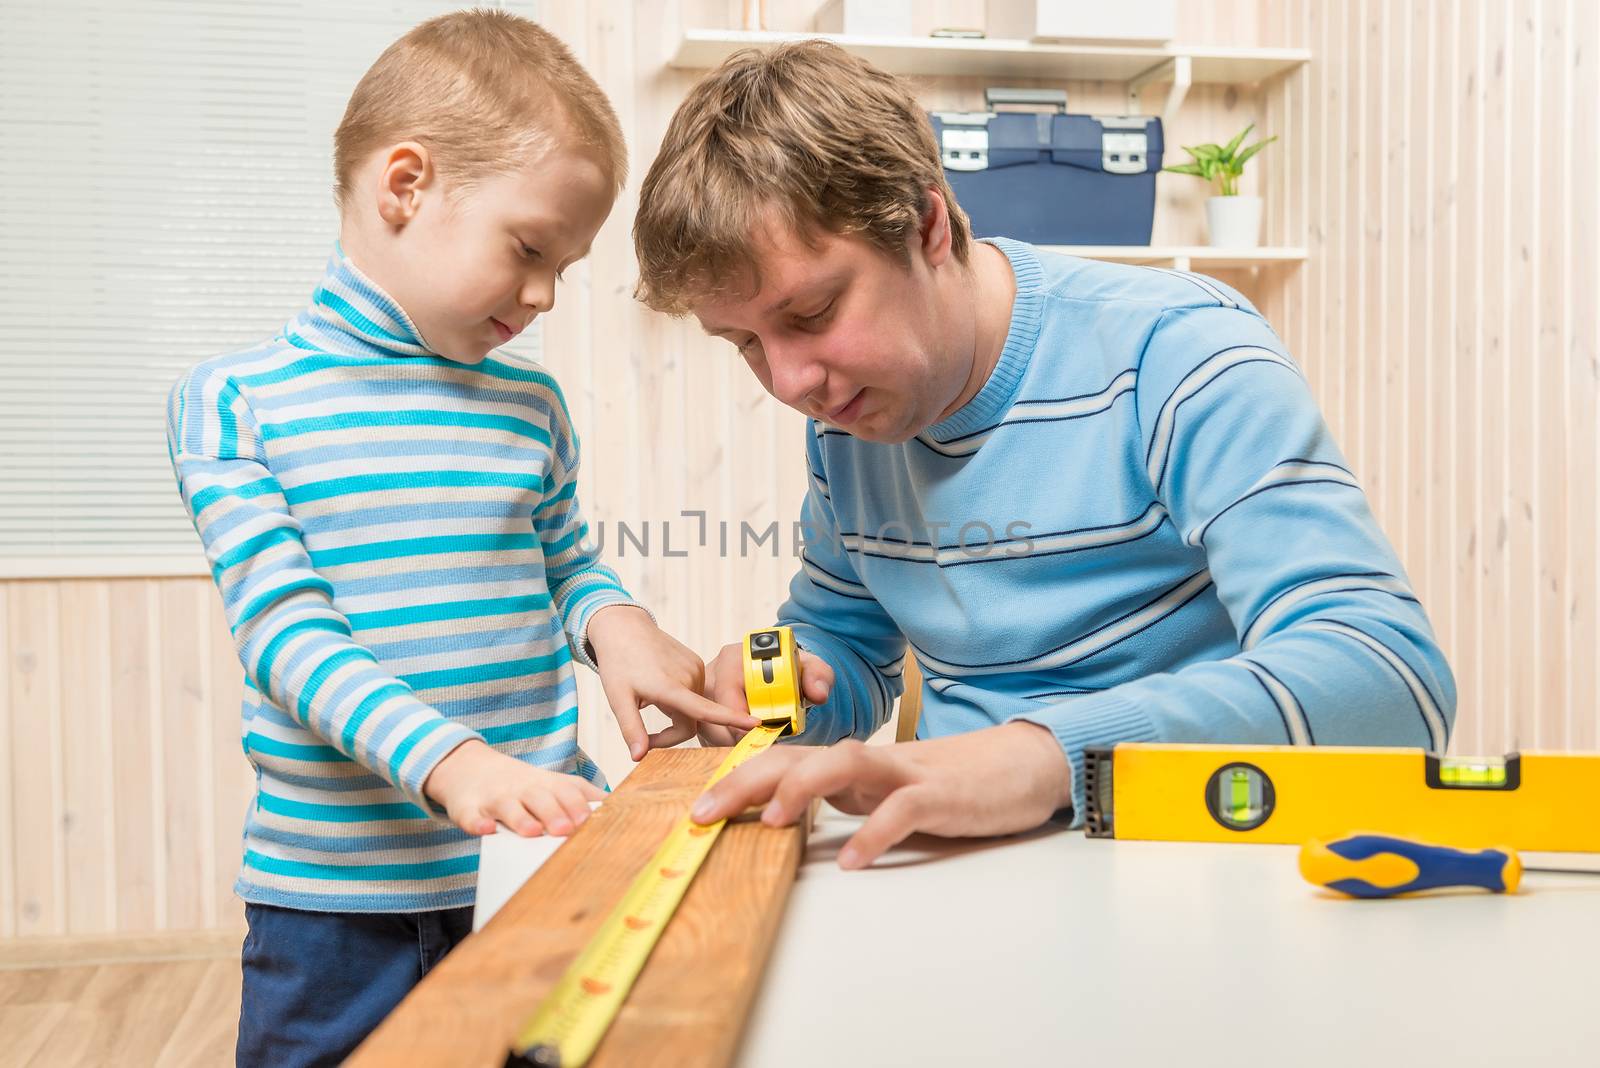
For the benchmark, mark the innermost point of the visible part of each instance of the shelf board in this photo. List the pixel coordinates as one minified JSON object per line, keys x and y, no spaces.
{"x":700,"y":49}
{"x":1184,"y":256}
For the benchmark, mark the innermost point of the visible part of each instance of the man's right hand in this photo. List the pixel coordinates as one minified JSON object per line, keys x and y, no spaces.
{"x":725,"y":686}
{"x":480,"y":787}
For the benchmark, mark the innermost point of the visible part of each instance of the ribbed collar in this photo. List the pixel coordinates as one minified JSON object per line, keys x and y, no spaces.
{"x":351,"y":316}
{"x":984,"y":409}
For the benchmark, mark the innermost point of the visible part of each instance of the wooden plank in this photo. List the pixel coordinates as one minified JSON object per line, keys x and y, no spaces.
{"x":233,"y":779}
{"x":185,"y":751}
{"x":208,"y":1030}
{"x":87,"y":821}
{"x":1520,"y":374}
{"x":40,"y":985}
{"x":99,"y":567}
{"x":655,"y":92}
{"x":1444,"y":139}
{"x":58,"y":951}
{"x":1376,"y":240}
{"x":1546,"y":476}
{"x":8,"y":832}
{"x":1371,"y":238}
{"x":133,"y":772}
{"x":691,"y":999}
{"x":1305,"y":183}
{"x":1312,"y":349}
{"x":586,"y":366}
{"x":1336,"y":310}
{"x":1581,"y":357}
{"x":1418,"y":433}
{"x":27,"y":1028}
{"x":36,"y":754}
{"x":625,"y":461}
{"x":1494,"y":432}
{"x":710,"y":368}
{"x":125,"y":1014}
{"x":1400,"y":414}
{"x":1466,"y":306}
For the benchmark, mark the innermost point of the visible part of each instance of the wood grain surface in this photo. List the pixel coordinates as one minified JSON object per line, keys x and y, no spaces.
{"x":690,"y":1002}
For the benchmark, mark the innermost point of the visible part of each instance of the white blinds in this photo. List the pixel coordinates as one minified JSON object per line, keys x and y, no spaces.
{"x":165,"y":177}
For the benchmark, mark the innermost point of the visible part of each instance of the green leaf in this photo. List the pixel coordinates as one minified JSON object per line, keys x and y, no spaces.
{"x":1205,"y":152}
{"x":1253,"y":149}
{"x":1233,"y":146}
{"x":1187,"y":168}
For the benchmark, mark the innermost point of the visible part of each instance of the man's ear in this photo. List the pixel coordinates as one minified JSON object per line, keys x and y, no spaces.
{"x":933,"y":230}
{"x":406,"y":171}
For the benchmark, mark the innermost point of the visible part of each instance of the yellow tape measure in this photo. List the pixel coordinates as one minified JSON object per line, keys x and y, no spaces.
{"x":573,"y":1018}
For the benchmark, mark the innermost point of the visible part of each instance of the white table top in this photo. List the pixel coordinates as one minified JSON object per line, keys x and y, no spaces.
{"x":1054,"y":949}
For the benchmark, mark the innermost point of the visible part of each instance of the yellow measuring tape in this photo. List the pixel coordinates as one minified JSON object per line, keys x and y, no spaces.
{"x":573,"y":1018}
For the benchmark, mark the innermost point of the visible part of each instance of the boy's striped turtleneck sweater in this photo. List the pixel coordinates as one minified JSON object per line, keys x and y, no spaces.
{"x":400,"y":551}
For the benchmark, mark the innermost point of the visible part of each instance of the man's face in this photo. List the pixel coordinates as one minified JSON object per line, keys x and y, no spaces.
{"x":845,"y":334}
{"x":477,"y":264}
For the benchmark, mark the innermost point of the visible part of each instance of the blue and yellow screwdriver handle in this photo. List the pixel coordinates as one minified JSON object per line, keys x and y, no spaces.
{"x":1377,"y":865}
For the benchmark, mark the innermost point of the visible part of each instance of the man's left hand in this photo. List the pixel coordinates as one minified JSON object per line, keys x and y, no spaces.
{"x":999,"y":780}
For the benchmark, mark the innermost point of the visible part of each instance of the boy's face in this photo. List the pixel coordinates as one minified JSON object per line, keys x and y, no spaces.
{"x":474,"y":265}
{"x":846,"y":334}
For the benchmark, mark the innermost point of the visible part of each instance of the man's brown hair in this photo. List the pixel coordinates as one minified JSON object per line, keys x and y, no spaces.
{"x":806,"y":130}
{"x":479,"y":89}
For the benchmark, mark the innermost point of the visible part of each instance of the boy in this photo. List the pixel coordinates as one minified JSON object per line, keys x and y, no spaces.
{"x":1097,"y":502}
{"x":390,"y":516}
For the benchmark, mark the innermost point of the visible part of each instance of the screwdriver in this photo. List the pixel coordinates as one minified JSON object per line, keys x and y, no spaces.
{"x":1377,"y":865}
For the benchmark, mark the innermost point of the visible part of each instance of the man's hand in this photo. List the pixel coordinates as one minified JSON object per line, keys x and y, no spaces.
{"x":478,"y":786}
{"x":995,"y":781}
{"x":640,"y":664}
{"x":725,"y":685}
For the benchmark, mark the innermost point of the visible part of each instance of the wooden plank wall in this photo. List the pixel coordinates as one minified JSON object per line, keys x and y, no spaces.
{"x":1442,"y":171}
{"x":1437,"y":161}
{"x":119,"y":740}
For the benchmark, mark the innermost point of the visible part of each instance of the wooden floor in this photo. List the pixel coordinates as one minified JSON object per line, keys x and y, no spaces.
{"x":168,"y":1013}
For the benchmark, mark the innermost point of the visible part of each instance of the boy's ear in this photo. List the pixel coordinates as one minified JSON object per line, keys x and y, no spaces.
{"x":933,"y":230}
{"x":406,"y":170}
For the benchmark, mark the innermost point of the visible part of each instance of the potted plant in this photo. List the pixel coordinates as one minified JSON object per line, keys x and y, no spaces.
{"x":1234,"y":221}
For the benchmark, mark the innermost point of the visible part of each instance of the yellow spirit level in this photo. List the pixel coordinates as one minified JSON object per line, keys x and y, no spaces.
{"x":1290,"y":794}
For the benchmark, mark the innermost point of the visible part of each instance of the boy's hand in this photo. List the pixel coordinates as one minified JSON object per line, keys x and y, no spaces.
{"x":478,"y":787}
{"x":993,"y":781}
{"x":725,"y":686}
{"x":642,"y":665}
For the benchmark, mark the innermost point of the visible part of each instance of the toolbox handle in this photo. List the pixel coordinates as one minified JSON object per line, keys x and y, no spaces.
{"x":1045,"y":97}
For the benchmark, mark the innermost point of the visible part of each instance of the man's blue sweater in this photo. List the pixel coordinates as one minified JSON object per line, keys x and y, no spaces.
{"x":1140,"y":529}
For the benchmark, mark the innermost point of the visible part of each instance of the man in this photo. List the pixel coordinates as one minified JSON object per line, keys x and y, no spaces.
{"x":1098,"y":501}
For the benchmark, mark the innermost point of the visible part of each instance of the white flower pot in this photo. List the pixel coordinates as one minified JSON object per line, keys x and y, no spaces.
{"x":1234,"y":222}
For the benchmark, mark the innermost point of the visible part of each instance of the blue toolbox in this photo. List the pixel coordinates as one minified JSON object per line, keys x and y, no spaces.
{"x":1048,"y":177}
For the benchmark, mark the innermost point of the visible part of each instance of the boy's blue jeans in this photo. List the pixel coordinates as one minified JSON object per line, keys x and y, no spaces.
{"x":317,"y":983}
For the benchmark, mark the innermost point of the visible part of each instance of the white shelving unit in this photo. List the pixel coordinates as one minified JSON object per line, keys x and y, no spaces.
{"x":1184,"y":257}
{"x":1177,"y":66}
{"x":946,"y":55}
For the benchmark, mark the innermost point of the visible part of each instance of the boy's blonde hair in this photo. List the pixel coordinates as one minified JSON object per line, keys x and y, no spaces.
{"x":821,"y":137}
{"x":479,"y":89}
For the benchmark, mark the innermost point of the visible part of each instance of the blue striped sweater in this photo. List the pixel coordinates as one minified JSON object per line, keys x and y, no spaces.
{"x":400,"y":551}
{"x":1140,"y":529}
